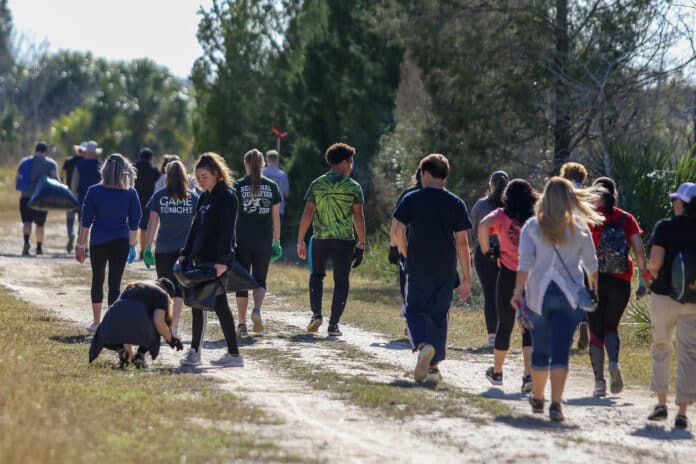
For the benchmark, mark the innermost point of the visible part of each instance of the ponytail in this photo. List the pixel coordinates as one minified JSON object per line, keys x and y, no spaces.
{"x":253,"y":160}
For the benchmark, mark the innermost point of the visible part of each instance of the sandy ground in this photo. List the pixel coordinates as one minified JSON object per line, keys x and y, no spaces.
{"x":318,"y":425}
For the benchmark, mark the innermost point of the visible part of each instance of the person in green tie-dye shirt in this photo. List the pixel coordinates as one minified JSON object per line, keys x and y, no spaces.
{"x":334,"y":208}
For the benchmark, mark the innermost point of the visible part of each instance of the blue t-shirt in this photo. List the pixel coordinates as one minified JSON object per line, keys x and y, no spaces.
{"x":175,"y":219}
{"x":86,"y":173}
{"x":432,"y":216}
{"x":111,"y":213}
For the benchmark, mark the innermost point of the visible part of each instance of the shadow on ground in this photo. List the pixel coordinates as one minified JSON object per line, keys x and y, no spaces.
{"x":662,"y":432}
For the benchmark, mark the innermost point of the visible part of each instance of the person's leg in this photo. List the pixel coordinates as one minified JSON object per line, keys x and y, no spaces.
{"x":70,"y":222}
{"x":244,"y":255}
{"x":664,"y":313}
{"x":27,"y":219}
{"x":595,"y":321}
{"x":563,"y":320}
{"x":143,"y":240}
{"x":261,"y":260}
{"x":686,"y":357}
{"x":527,"y":351}
{"x":97,"y":259}
{"x":506,"y":317}
{"x":439,"y":318}
{"x":541,"y":349}
{"x":487,"y":272}
{"x":39,"y":221}
{"x":164,"y":264}
{"x":618,"y":300}
{"x":199,"y":320}
{"x":117,"y":257}
{"x":317,"y":268}
{"x":419,"y":323}
{"x":224,"y":314}
{"x":342,"y":258}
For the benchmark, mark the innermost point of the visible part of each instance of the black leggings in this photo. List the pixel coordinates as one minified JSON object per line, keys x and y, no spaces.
{"x":255,"y":258}
{"x":506,"y":313}
{"x":487,"y":271}
{"x":614,"y":294}
{"x":115,"y":253}
{"x":164,"y":264}
{"x":222,"y":309}
{"x":341,"y":254}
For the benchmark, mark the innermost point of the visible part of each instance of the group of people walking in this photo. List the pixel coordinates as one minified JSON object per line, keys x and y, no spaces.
{"x":552,"y":260}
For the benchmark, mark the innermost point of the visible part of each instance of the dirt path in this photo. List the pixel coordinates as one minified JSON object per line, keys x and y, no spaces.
{"x":322,"y":426}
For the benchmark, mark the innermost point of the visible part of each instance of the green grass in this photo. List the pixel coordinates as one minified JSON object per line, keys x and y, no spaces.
{"x":55,"y":407}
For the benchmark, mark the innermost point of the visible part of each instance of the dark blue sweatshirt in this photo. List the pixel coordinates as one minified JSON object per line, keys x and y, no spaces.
{"x":111,"y":212}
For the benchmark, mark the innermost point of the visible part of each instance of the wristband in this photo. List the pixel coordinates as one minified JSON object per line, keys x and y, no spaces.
{"x":517,"y":291}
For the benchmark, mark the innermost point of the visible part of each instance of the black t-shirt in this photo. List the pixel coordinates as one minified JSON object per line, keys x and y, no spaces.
{"x":69,"y":167}
{"x":402,"y":195}
{"x":672,"y":234}
{"x":145,"y":182}
{"x":151,"y":295}
{"x":432,"y":216}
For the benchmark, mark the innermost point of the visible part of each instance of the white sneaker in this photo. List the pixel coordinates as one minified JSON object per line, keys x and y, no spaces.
{"x":175,"y":332}
{"x":426,"y":355}
{"x":228,"y":360}
{"x":92,"y":328}
{"x":433,"y":377}
{"x":256,"y":319}
{"x":192,"y":358}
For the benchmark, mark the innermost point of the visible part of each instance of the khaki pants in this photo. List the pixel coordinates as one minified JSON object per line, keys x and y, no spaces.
{"x":667,"y":315}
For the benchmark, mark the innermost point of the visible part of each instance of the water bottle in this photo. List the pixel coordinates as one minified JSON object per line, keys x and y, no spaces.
{"x":494,"y":244}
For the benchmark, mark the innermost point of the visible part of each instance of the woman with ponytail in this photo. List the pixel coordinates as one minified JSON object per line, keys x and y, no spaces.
{"x":258,"y":234}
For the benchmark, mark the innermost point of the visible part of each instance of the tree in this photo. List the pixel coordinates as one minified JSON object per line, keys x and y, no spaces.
{"x":6,"y":55}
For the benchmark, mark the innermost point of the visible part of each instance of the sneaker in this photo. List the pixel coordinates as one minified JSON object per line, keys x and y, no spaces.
{"x":426,"y":354}
{"x":39,"y":250}
{"x":537,"y":405}
{"x":659,"y":413}
{"x":496,"y":378}
{"x":25,"y":249}
{"x":555,"y":412}
{"x":139,"y":361}
{"x":314,"y":324}
{"x":616,"y":384}
{"x":71,"y":242}
{"x":681,"y":422}
{"x":175,"y":332}
{"x":334,"y":331}
{"x":122,"y":358}
{"x":229,"y":360}
{"x":92,"y":328}
{"x":583,"y":336}
{"x":256,"y":319}
{"x":434,"y":376}
{"x":242,"y":330}
{"x":490,"y":342}
{"x":192,"y":358}
{"x":600,"y":388}
{"x":527,"y":384}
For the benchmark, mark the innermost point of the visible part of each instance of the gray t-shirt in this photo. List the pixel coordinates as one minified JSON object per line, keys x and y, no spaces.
{"x":41,"y":166}
{"x":480,"y":210}
{"x":175,"y":219}
{"x":279,"y":177}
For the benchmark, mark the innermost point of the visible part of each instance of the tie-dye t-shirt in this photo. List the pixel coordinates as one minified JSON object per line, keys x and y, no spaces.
{"x":334,"y":195}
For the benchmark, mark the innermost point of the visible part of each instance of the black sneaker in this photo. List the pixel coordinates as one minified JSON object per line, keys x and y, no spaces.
{"x":496,"y":378}
{"x":25,"y":249}
{"x":139,"y":361}
{"x":555,"y":412}
{"x":681,"y":422}
{"x":527,"y":384}
{"x":583,"y":336}
{"x":39,"y":250}
{"x":659,"y":413}
{"x":71,"y":242}
{"x":314,"y":324}
{"x":334,"y":331}
{"x":537,"y":405}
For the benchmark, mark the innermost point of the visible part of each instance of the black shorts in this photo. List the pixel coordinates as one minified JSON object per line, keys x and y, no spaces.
{"x":164,"y":262}
{"x":145,"y":219}
{"x":31,"y":215}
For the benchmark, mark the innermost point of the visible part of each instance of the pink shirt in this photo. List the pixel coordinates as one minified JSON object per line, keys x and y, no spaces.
{"x":508,"y":231}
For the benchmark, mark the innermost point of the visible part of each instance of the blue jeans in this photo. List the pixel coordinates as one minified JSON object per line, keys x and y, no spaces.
{"x":553,"y":330}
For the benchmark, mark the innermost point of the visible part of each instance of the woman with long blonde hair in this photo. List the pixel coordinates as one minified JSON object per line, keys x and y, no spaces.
{"x":555,"y":247}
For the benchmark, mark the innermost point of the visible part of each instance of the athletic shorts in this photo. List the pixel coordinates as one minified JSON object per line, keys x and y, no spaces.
{"x":31,"y":215}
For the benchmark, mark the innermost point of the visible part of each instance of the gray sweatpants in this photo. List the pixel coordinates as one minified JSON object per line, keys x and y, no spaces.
{"x":667,"y":316}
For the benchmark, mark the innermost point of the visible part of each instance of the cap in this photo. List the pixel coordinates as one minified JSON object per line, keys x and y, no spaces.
{"x":79,"y":149}
{"x":92,"y":147}
{"x":686,"y":192}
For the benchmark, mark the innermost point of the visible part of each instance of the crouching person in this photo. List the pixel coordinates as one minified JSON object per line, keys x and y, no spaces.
{"x":140,"y":316}
{"x":437,"y":221}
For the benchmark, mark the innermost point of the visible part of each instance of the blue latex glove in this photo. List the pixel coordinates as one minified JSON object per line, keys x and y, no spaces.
{"x":131,"y":255}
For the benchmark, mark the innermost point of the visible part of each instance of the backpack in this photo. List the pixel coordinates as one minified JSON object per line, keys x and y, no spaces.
{"x":612,"y":249}
{"x":683,"y":277}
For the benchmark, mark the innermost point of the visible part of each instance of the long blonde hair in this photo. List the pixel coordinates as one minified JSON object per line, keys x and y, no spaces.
{"x":562,"y":207}
{"x":168,"y":311}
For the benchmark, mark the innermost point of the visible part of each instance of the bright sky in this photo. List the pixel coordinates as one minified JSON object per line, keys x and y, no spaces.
{"x":162,"y":30}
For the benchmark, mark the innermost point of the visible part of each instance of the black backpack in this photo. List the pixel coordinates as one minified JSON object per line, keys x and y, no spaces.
{"x":683,"y":277}
{"x":612,"y":249}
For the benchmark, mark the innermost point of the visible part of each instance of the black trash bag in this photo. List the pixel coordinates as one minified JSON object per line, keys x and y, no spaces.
{"x":239,"y":279}
{"x":200,"y":284}
{"x":50,"y":194}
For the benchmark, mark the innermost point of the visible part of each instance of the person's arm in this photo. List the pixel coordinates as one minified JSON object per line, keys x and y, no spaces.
{"x":161,"y":325}
{"x":305,"y":222}
{"x":657,"y":260}
{"x":227,"y":221}
{"x":286,"y":187}
{"x":152,"y":226}
{"x":64,"y":175}
{"x":518,"y":292}
{"x":359,"y":222}
{"x":462,"y":244}
{"x":400,"y":237}
{"x":134,"y":215}
{"x":483,"y":237}
{"x":81,"y":244}
{"x":639,"y":251}
{"x":589,"y":259}
{"x":276,"y":221}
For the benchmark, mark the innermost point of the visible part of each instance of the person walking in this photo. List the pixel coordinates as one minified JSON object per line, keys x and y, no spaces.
{"x":272,"y":171}
{"x":439,"y":224}
{"x":145,"y":186}
{"x":171,"y":212}
{"x":66,"y":173}
{"x":671,"y":237}
{"x":87,"y":171}
{"x":258,"y":234}
{"x":211,"y":239}
{"x":518,"y":206}
{"x":30,"y":170}
{"x":555,"y":246}
{"x":334,"y":208}
{"x":487,"y":264}
{"x":142,"y":315}
{"x":577,"y":175}
{"x":613,"y":239}
{"x":162,"y":181}
{"x":110,"y":216}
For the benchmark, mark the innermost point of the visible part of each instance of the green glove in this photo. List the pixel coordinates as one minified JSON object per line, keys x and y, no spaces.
{"x":276,"y":250}
{"x":148,"y":259}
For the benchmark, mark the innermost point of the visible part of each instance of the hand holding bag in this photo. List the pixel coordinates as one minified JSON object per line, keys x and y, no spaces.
{"x":586,"y":298}
{"x":200,"y":284}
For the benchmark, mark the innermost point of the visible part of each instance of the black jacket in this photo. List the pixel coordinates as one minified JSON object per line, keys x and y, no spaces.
{"x":212,"y":234}
{"x":145,"y":182}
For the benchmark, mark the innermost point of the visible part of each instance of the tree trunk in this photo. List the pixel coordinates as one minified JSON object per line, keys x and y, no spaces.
{"x":561,"y":129}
